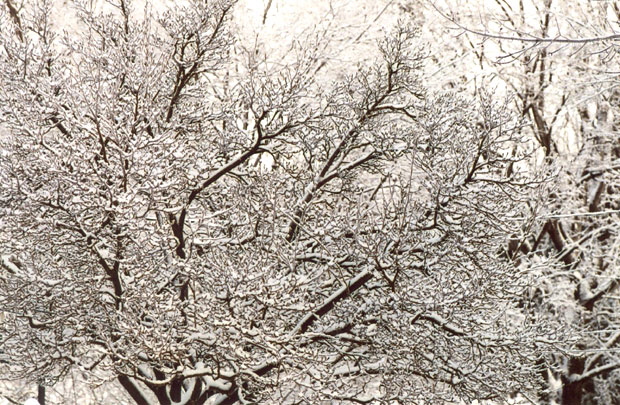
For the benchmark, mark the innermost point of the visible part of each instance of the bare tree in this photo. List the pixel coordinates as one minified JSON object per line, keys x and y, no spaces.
{"x":560,"y":61}
{"x":257,"y":237}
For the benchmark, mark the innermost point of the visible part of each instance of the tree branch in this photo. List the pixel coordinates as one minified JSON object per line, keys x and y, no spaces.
{"x":347,"y":290}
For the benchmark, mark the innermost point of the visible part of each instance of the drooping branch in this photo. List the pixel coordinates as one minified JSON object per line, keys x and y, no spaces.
{"x":528,"y":37}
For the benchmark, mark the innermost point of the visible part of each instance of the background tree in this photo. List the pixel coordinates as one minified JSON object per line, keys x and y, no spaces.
{"x":559,"y":59}
{"x":257,"y":237}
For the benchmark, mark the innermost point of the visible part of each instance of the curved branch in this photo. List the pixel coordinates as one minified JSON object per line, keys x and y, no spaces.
{"x":530,"y":38}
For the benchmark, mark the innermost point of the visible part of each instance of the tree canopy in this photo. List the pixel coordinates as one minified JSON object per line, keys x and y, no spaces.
{"x":206,"y":227}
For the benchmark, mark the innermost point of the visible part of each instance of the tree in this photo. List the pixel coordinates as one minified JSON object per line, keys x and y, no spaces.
{"x":567,"y":86}
{"x":257,"y":237}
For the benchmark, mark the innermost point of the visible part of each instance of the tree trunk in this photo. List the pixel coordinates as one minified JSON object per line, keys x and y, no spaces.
{"x":41,"y":395}
{"x":572,"y":392}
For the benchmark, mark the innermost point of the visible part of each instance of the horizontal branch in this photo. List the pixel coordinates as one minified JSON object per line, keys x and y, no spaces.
{"x":594,"y":372}
{"x":528,"y":36}
{"x":612,"y":341}
{"x":583,"y":214}
{"x":535,"y":39}
{"x":223,"y":378}
{"x":443,"y":324}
